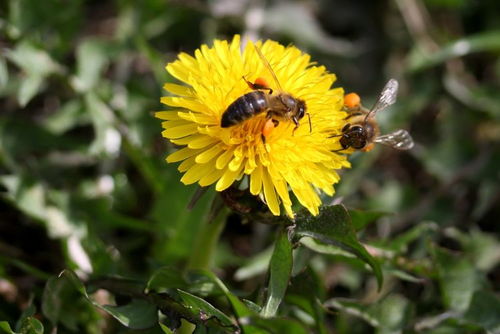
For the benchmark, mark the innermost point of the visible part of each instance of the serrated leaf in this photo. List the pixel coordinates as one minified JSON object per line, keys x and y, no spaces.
{"x":194,"y":281}
{"x":166,"y":278}
{"x":240,"y":309}
{"x":31,"y":325}
{"x":139,"y":314}
{"x":333,"y":226}
{"x":205,"y":310}
{"x":280,"y":270}
{"x":484,"y":311}
{"x":322,"y":248}
{"x":457,"y":278}
{"x":64,"y":299}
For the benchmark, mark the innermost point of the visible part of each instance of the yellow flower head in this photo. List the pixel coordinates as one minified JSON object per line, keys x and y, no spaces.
{"x":297,"y":159}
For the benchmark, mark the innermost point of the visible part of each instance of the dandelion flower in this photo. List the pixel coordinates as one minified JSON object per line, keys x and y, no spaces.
{"x":298,"y":160}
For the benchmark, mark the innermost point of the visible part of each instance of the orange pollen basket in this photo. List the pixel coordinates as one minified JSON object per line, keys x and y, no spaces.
{"x":261,"y":82}
{"x":268,"y":128}
{"x":352,"y":100}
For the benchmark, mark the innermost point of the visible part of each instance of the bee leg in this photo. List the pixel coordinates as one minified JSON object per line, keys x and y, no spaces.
{"x":340,"y":150}
{"x":310,"y":124}
{"x":296,"y":122}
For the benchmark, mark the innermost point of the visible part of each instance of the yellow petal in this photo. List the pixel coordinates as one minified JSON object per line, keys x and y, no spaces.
{"x":182,"y":154}
{"x":167,"y":115}
{"x":195,"y":173}
{"x":270,"y":194}
{"x":210,"y":178}
{"x":180,"y":131}
{"x":227,"y":179}
{"x":178,"y":89}
{"x":208,"y":154}
{"x":202,"y":141}
{"x":256,"y":181}
{"x":224,"y":159}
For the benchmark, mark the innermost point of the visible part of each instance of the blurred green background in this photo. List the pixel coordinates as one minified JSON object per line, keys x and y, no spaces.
{"x":84,"y":184}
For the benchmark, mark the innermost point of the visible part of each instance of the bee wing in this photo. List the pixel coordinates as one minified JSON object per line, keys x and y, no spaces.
{"x":399,"y":139}
{"x":386,"y":98}
{"x":268,"y":66}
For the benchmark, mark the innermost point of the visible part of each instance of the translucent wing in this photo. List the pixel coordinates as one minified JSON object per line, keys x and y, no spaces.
{"x":399,"y":139}
{"x":386,"y":97}
{"x":268,"y":66}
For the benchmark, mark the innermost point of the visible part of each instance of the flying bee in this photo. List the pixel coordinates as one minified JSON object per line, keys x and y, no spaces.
{"x":362,"y":131}
{"x":279,"y":107}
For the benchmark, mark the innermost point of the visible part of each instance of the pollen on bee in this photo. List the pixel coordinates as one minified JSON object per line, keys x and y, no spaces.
{"x":268,"y":128}
{"x":368,"y":147}
{"x":261,"y":82}
{"x":352,"y":100}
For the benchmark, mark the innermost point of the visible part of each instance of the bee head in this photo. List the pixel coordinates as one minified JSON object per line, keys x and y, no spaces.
{"x":301,"y":108}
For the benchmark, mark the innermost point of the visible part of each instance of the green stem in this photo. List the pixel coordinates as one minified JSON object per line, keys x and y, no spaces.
{"x":202,"y":256}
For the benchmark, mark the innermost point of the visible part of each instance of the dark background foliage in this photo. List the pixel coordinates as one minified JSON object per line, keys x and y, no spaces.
{"x":84,"y":185}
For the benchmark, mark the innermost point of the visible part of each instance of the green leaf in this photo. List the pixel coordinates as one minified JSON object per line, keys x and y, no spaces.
{"x":277,"y":325}
{"x":360,"y":219}
{"x":255,"y":266}
{"x":139,"y":314}
{"x":353,"y":308}
{"x":68,"y":116}
{"x":107,"y":139}
{"x":280,"y":270}
{"x":166,"y":278}
{"x":4,"y":73}
{"x":194,"y":281}
{"x":204,"y":310}
{"x":400,"y":243}
{"x":457,"y":278}
{"x":484,"y":41}
{"x":31,"y":325}
{"x":65,"y":300}
{"x":322,"y":248}
{"x":33,"y":60}
{"x":484,"y":311}
{"x":392,"y":313}
{"x":240,"y":308}
{"x":5,"y":328}
{"x":165,"y":329}
{"x":333,"y":226}
{"x":30,"y":86}
{"x":389,"y":315}
{"x":92,"y":57}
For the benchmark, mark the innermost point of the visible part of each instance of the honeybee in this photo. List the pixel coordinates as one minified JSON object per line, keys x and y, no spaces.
{"x":362,"y":131}
{"x":279,"y":107}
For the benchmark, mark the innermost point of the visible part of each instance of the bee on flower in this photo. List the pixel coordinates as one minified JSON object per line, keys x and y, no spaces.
{"x":265,"y":113}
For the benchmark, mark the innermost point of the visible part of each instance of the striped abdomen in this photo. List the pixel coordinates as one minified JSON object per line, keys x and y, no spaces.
{"x":243,"y":108}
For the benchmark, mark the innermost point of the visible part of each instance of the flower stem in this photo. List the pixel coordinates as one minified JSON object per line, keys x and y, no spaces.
{"x":202,"y":256}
